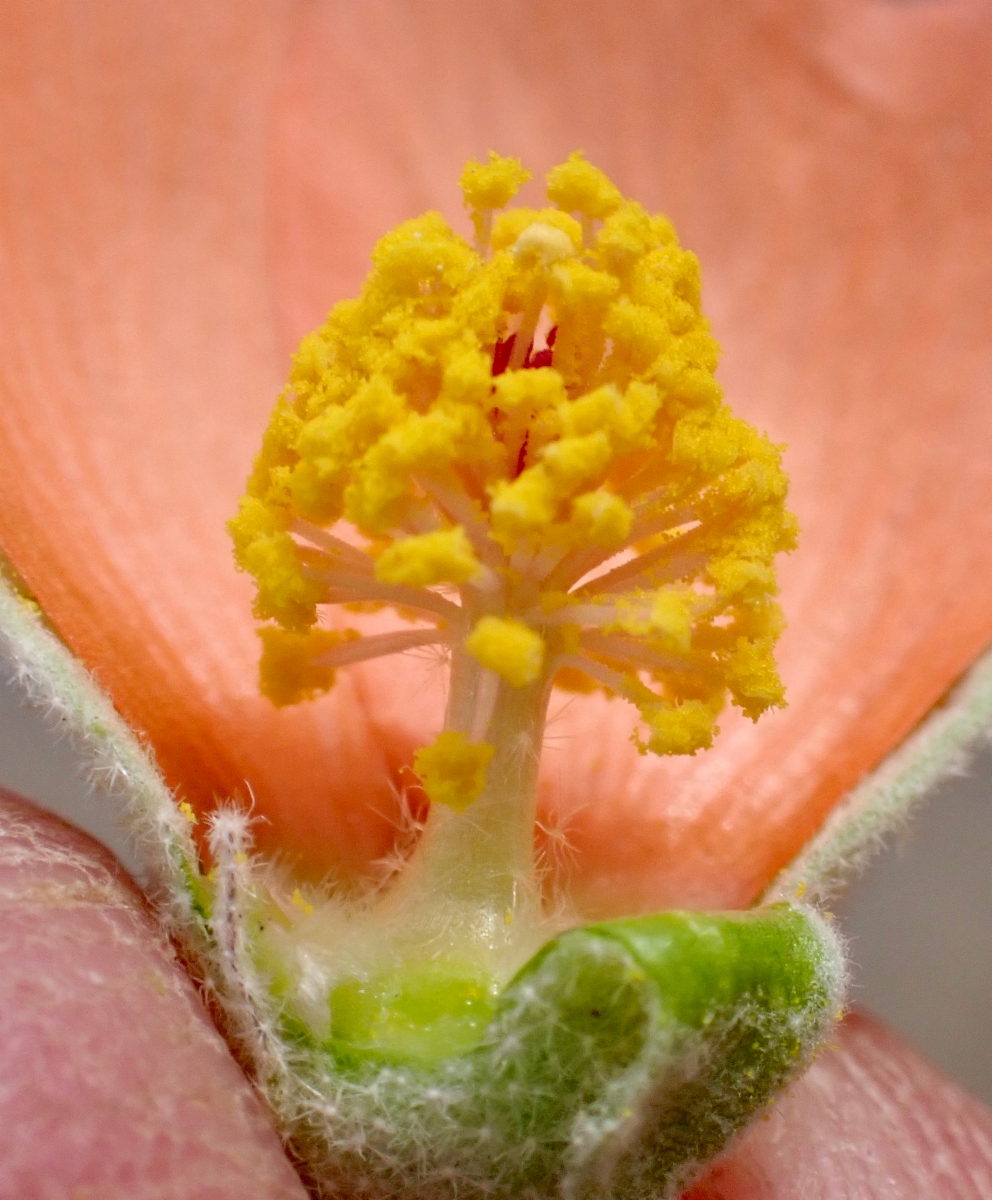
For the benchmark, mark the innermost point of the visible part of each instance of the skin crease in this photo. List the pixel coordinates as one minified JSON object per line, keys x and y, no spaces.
{"x":187,"y":188}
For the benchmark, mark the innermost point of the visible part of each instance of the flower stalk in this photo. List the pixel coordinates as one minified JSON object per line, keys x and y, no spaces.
{"x":483,"y":856}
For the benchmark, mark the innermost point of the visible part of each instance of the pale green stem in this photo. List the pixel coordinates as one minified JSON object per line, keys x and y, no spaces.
{"x":480,"y":863}
{"x":485,"y":853}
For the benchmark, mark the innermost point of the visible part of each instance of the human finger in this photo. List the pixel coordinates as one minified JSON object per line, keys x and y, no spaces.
{"x":870,"y":1120}
{"x":114,"y":1082}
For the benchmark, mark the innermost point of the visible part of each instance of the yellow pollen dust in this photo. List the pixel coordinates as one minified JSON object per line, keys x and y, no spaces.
{"x":453,"y":769}
{"x":520,"y":447}
{"x":512,"y":649}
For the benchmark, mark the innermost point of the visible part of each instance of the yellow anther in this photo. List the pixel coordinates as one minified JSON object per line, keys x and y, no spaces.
{"x":442,"y":557}
{"x":509,"y":225}
{"x":542,"y":245}
{"x":265,"y":550}
{"x":602,"y":517}
{"x":582,"y":289}
{"x":574,"y":461}
{"x":289,"y":673}
{"x":578,"y":186}
{"x":742,"y":577}
{"x":510,"y":648}
{"x":671,"y":617}
{"x":627,"y":419}
{"x":453,"y":769}
{"x":627,"y":236}
{"x":488,"y":186}
{"x":298,"y":902}
{"x":753,"y":678}
{"x":533,"y":391}
{"x":666,"y":615}
{"x":525,"y":506}
{"x":422,"y":253}
{"x":638,"y":334}
{"x":492,"y":184}
{"x":187,"y":810}
{"x":677,"y":729}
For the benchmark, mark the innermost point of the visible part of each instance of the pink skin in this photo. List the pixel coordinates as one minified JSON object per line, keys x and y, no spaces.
{"x":871,"y":1120}
{"x":115,"y":1084}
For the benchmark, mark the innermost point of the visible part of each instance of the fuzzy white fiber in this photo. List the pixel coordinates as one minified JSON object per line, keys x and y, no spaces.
{"x":110,"y":755}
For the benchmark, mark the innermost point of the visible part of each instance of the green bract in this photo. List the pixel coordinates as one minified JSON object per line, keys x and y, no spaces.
{"x":621,"y":1057}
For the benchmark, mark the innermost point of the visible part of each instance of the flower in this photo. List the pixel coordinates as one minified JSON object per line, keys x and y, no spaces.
{"x":157,"y":273}
{"x":507,"y":421}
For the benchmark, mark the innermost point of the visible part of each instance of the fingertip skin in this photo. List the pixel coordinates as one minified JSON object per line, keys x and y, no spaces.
{"x":870,"y":1120}
{"x":114,"y":1083}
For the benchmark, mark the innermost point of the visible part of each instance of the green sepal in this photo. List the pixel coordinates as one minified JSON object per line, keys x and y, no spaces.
{"x":669,"y":1032}
{"x":197,"y":888}
{"x":622,"y":1056}
{"x":418,"y":1015}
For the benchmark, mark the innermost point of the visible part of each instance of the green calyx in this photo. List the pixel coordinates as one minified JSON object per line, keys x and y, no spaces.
{"x":620,"y":1057}
{"x":415,"y":1016}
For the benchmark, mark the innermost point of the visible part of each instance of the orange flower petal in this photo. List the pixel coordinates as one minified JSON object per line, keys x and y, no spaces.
{"x":187,"y":189}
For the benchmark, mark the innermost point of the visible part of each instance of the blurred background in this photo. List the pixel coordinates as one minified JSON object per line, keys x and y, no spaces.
{"x":919,"y":921}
